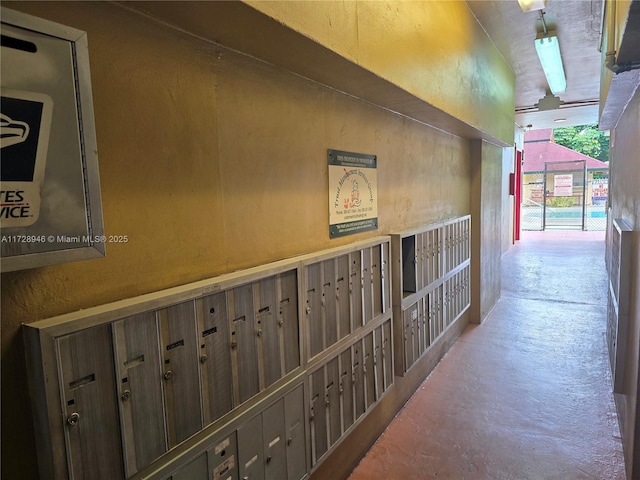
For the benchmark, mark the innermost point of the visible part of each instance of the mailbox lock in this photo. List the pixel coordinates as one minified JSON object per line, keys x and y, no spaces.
{"x":289,"y":441}
{"x":125,"y":395}
{"x":168,"y":374}
{"x":268,"y":459}
{"x":73,"y":419}
{"x":203,"y":358}
{"x":308,"y":310}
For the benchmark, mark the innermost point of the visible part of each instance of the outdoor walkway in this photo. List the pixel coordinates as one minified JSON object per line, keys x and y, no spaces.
{"x":525,"y":395}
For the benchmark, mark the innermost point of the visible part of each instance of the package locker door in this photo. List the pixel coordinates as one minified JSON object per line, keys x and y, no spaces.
{"x":197,"y":469}
{"x":358,"y":380}
{"x":342,"y":296}
{"x":288,"y":319}
{"x":250,"y":451}
{"x":295,"y":434}
{"x":266,"y":302}
{"x":215,"y":356}
{"x":369,"y":370}
{"x":314,"y":308}
{"x":223,"y":459}
{"x":367,"y":286}
{"x":346,"y":389}
{"x":88,"y":391}
{"x":376,"y":279}
{"x":274,"y":442}
{"x":138,"y":376}
{"x":387,"y":354}
{"x":179,"y":342}
{"x":329,"y":301}
{"x":332,"y":399}
{"x":243,"y":342}
{"x":355,"y":289}
{"x":318,"y":415}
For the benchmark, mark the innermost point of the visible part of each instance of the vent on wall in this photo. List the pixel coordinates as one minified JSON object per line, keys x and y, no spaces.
{"x":618,"y":263}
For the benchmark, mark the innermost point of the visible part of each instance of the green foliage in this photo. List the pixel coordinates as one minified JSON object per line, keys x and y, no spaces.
{"x":560,"y":202}
{"x":586,"y":139}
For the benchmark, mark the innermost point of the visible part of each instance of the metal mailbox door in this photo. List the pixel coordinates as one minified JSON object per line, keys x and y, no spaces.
{"x":410,"y":322}
{"x":288,"y":319}
{"x":266,"y":302}
{"x":329,"y":304}
{"x":409,"y":261}
{"x":358,"y":380}
{"x":423,"y":333}
{"x":180,"y":371}
{"x":250,"y":450}
{"x":355,"y":289}
{"x":385,"y":274}
{"x":295,"y":434}
{"x":367,"y":286}
{"x":342,"y":296}
{"x":318,"y":415}
{"x":421,"y":261}
{"x":138,"y":374}
{"x":378,"y":361}
{"x":197,"y":469}
{"x":215,"y":356}
{"x":369,"y":370}
{"x":387,"y":354}
{"x":332,"y":399}
{"x":223,"y":459}
{"x":314,"y":308}
{"x":346,"y":389}
{"x":376,"y":279}
{"x":274,"y":442}
{"x":244,"y":343}
{"x":88,"y":391}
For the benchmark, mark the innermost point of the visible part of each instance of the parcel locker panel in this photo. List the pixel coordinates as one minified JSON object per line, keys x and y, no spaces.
{"x":244,"y":342}
{"x":376,"y":279}
{"x":355,"y":289}
{"x":367,"y":286}
{"x":250,"y":451}
{"x":346,"y":389}
{"x":332,"y":398}
{"x":295,"y":434}
{"x":378,"y":361}
{"x":88,"y":388}
{"x":342,"y":296}
{"x":223,"y":459}
{"x":138,"y":374}
{"x":274,"y":442}
{"x":288,"y":319}
{"x":318,"y":415}
{"x":197,"y":469}
{"x":369,"y":370}
{"x":358,"y":379}
{"x":314,"y":308}
{"x":181,"y":372}
{"x":268,"y":329}
{"x":387,"y":354}
{"x":215,"y":356}
{"x":329,"y":303}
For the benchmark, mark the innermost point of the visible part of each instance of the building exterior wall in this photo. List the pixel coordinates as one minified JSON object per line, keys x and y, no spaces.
{"x":212,"y":161}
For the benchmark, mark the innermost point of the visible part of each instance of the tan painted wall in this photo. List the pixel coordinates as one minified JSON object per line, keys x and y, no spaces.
{"x":436,"y":50}
{"x":210,"y":162}
{"x":624,"y":199}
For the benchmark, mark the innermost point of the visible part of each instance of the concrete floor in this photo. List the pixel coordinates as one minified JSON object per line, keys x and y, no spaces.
{"x":525,"y":395}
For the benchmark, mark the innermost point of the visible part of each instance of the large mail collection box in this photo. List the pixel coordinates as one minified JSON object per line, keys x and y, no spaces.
{"x":431,"y":285}
{"x":224,"y":378}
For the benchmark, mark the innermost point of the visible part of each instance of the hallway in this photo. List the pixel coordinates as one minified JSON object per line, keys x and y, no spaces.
{"x":526,"y":395}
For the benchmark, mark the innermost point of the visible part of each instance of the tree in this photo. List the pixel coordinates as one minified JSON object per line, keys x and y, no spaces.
{"x":586,"y":139}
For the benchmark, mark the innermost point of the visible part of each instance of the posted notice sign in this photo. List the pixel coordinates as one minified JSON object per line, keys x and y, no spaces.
{"x":353,"y":193}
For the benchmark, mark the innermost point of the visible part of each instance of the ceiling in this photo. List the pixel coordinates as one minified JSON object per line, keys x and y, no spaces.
{"x":577,"y":23}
